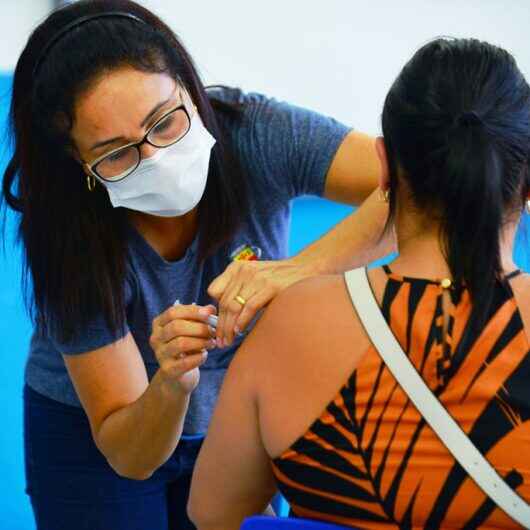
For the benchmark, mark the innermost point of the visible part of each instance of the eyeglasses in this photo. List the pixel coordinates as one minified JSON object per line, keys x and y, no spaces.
{"x":168,"y":130}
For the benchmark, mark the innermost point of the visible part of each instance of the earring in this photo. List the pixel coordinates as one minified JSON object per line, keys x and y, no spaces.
{"x":90,"y":182}
{"x":527,"y":205}
{"x":384,"y":195}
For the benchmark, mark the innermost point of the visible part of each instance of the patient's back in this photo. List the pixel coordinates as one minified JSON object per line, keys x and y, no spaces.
{"x":369,"y":460}
{"x":346,"y":444}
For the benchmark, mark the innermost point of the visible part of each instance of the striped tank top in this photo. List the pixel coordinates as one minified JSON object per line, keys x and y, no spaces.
{"x":370,"y":460}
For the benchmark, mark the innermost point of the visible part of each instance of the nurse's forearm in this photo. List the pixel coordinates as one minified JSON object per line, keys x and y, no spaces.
{"x":354,"y":242}
{"x":139,"y":438}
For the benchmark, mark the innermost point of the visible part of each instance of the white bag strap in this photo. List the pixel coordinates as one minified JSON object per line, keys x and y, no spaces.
{"x":440,"y":421}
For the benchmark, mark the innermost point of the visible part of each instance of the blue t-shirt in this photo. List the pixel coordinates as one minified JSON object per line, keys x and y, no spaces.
{"x":285,"y":151}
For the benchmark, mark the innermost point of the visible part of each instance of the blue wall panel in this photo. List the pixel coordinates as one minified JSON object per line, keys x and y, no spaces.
{"x":15,"y":329}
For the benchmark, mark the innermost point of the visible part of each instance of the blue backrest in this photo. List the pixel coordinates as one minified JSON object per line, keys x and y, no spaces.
{"x":280,"y":523}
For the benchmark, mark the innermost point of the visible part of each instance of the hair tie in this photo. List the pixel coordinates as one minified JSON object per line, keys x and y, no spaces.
{"x":74,"y":24}
{"x":469,"y":118}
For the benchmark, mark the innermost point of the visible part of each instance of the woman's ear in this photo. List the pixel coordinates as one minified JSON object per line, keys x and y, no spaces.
{"x":384,"y":179}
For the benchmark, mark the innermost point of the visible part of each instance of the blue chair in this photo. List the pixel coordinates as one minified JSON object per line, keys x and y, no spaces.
{"x":261,"y":522}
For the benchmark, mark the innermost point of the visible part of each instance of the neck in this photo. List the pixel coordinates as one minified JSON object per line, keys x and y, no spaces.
{"x":169,"y":236}
{"x":420,"y":251}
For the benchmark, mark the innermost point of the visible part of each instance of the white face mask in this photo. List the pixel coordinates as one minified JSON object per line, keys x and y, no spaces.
{"x":172,"y":182}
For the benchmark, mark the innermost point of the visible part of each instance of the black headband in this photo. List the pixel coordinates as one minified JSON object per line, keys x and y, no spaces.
{"x":74,"y":24}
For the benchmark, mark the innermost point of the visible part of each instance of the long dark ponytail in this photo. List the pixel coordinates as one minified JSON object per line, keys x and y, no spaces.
{"x":456,"y":125}
{"x":75,"y":243}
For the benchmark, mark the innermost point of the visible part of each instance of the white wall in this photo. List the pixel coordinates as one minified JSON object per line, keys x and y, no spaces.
{"x":336,"y":56}
{"x":17,"y":20}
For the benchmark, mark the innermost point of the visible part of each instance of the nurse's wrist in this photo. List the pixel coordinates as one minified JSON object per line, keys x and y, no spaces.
{"x":310,"y":266}
{"x":170,"y":390}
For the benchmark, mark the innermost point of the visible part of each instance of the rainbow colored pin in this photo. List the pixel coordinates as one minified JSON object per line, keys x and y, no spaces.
{"x":246,"y":253}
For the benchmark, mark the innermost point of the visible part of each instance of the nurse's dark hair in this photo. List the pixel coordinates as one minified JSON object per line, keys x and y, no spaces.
{"x":74,"y":241}
{"x":457,"y":132}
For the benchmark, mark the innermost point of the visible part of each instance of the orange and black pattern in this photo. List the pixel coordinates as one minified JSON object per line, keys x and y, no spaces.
{"x":370,"y":460}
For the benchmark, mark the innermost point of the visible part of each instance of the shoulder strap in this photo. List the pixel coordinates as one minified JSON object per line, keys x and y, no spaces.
{"x":440,"y":421}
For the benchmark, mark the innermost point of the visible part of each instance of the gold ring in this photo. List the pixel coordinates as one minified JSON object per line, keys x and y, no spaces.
{"x":240,"y":299}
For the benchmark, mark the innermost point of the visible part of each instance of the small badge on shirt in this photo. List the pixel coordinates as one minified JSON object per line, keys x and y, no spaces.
{"x":246,"y":253}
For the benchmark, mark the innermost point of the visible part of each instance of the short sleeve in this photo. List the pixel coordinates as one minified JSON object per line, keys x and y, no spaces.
{"x":96,"y":333}
{"x":292,"y":146}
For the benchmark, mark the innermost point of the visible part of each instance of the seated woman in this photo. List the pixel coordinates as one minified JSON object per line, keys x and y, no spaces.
{"x":309,"y":406}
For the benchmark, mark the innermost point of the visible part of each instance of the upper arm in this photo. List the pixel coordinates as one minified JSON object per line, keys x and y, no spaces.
{"x":355,"y":170}
{"x":290,"y":147}
{"x":232,"y":477}
{"x":107,"y":379}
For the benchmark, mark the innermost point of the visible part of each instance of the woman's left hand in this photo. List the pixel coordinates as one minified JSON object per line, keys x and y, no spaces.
{"x":256,"y":283}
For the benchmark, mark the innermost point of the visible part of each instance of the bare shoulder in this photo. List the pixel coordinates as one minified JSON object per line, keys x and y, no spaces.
{"x":296,"y":313}
{"x":309,"y":301}
{"x":302,"y":351}
{"x":305,"y":334}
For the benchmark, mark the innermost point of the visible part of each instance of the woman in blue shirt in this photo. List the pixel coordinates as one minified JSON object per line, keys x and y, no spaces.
{"x":136,"y":187}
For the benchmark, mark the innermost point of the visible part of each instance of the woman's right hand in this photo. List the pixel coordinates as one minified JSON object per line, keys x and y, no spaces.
{"x":180,"y":339}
